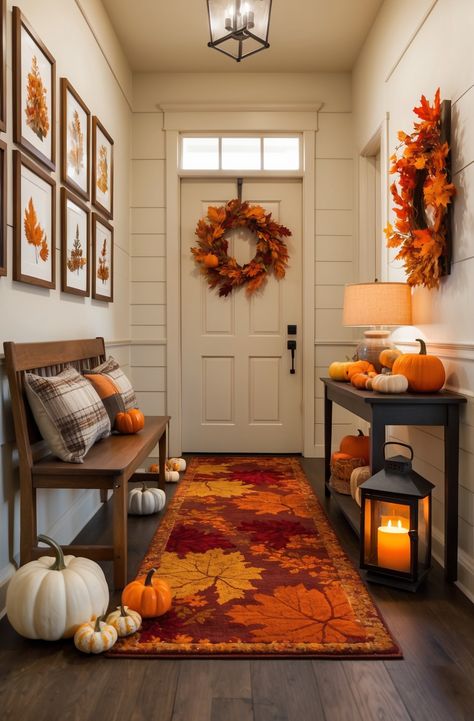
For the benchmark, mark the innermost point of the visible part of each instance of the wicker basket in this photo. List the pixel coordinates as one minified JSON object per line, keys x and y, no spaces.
{"x":341,"y":474}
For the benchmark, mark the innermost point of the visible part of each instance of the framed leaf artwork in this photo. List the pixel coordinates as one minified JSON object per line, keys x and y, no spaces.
{"x":75,"y":245}
{"x":3,"y":208}
{"x":34,"y":214}
{"x":75,"y":140}
{"x":102,"y":259}
{"x":34,"y":79}
{"x":3,"y":70}
{"x":102,"y":169}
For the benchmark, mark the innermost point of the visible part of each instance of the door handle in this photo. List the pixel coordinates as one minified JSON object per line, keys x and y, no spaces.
{"x":292,"y":347}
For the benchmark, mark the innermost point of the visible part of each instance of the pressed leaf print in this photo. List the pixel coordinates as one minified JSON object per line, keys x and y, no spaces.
{"x":103,"y":272}
{"x":76,"y":140}
{"x":34,"y":233}
{"x":76,"y":261}
{"x":102,"y":170}
{"x":36,"y":109}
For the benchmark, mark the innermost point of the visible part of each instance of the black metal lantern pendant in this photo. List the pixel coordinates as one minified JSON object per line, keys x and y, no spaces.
{"x":396,"y":524}
{"x":239,"y":28}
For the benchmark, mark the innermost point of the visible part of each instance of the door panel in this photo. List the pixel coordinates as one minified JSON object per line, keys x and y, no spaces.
{"x":238,"y":393}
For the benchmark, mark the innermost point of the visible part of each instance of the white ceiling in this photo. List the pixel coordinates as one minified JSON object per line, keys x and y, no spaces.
{"x":305,"y":36}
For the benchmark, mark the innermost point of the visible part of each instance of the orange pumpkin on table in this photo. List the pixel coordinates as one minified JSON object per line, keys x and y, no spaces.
{"x":130,"y":421}
{"x":425,"y":373}
{"x":149,"y":595}
{"x":360,"y":366}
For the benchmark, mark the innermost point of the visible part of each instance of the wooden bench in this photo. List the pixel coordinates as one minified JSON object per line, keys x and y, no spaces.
{"x":110,"y":464}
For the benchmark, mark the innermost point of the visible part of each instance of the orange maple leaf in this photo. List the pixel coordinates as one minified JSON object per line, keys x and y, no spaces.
{"x":34,"y":233}
{"x":274,"y":503}
{"x":429,"y":112}
{"x":216,"y":215}
{"x":437,"y":191}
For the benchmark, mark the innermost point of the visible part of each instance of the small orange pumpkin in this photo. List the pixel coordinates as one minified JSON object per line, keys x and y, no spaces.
{"x":154,"y":468}
{"x":425,"y":373}
{"x":361,"y":366}
{"x":356,"y":446}
{"x":130,"y":421}
{"x":149,"y":595}
{"x":359,"y":380}
{"x":388,"y":357}
{"x":211,"y":260}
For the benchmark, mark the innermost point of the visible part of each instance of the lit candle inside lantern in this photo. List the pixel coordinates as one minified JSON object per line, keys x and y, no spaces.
{"x":393,"y":546}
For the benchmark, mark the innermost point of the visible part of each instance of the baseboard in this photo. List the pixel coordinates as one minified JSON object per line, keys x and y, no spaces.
{"x":465,"y":581}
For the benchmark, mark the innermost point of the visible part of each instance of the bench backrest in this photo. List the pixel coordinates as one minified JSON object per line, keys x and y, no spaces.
{"x":46,"y":359}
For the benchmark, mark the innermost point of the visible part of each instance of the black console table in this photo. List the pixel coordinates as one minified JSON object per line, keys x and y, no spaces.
{"x":402,"y":409}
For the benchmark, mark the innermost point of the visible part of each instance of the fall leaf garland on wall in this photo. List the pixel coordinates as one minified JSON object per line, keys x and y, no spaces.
{"x":211,"y":253}
{"x":422,"y":198}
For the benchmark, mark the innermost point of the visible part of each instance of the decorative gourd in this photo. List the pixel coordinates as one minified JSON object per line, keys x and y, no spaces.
{"x":95,"y":636}
{"x":360,"y":366}
{"x":211,"y":260}
{"x":144,"y":501}
{"x":51,"y":597}
{"x":149,"y":595}
{"x":176,"y":464}
{"x":389,"y":383}
{"x":125,"y":621}
{"x":425,"y":373}
{"x":359,"y":476}
{"x":356,"y":446}
{"x":130,"y":421}
{"x":359,"y":380}
{"x":388,"y":357}
{"x":337,"y":370}
{"x":170,"y":476}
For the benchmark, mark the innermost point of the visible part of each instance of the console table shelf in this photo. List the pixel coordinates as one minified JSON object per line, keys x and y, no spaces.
{"x":401,"y":409}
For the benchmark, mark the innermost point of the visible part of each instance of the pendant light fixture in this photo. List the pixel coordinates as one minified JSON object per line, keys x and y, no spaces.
{"x":239,"y":28}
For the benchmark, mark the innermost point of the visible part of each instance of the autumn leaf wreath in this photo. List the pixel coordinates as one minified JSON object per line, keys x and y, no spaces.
{"x":211,"y":253}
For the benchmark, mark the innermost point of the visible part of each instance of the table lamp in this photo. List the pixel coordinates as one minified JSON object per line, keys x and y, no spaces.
{"x":376,"y":305}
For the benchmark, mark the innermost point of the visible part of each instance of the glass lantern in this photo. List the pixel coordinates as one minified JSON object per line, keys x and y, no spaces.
{"x":396,"y":524}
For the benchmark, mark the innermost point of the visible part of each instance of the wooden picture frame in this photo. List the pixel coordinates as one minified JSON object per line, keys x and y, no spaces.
{"x":3,"y":208}
{"x":102,"y":169}
{"x":3,"y":60}
{"x":75,"y":140}
{"x":102,"y":259}
{"x":34,"y":221}
{"x":75,"y":245}
{"x":34,"y":93}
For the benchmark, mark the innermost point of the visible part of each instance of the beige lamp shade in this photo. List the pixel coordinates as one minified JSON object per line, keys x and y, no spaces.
{"x":377,"y":303}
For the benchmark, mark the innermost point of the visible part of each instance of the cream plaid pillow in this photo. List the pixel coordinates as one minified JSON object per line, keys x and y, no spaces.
{"x":68,"y":412}
{"x":112,"y":369}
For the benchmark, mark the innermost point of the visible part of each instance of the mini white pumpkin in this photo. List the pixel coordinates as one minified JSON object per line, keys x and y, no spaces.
{"x":125,"y":620}
{"x":388,"y":383}
{"x":144,"y":501}
{"x":359,"y":475}
{"x":171,"y":476}
{"x":95,"y":636}
{"x":176,"y":464}
{"x":51,"y":597}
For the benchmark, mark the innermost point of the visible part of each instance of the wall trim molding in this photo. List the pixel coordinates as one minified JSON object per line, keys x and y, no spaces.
{"x":242,"y":107}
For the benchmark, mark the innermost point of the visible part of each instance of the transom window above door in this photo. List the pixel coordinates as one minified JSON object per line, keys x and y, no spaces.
{"x":241,"y":152}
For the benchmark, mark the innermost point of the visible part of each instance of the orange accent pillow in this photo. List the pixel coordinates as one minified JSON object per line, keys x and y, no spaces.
{"x":108,"y":393}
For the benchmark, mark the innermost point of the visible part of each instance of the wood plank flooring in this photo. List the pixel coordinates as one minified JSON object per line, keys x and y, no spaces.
{"x":434,"y":682}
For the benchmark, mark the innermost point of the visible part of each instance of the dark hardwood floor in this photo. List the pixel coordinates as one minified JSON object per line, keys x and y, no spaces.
{"x":434,"y":681}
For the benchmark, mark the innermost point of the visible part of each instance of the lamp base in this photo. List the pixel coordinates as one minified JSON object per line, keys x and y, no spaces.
{"x":374,"y":342}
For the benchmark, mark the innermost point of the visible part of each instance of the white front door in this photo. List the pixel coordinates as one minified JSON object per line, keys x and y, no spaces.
{"x":238,"y":393}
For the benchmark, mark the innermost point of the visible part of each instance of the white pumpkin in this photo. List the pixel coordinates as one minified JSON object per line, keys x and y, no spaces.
{"x":176,"y":464}
{"x":125,"y":620}
{"x":388,"y":383}
{"x":51,"y":597}
{"x":171,"y":476}
{"x":359,"y":476}
{"x":95,"y":636}
{"x":144,"y":501}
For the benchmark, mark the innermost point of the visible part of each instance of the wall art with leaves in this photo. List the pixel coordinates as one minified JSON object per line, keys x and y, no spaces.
{"x":102,"y":169}
{"x":102,"y":259}
{"x":34,"y":78}
{"x":75,"y":141}
{"x":75,"y":245}
{"x":34,"y":213}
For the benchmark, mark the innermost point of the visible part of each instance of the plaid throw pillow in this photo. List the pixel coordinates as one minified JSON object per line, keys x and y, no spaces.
{"x":108,"y":393}
{"x":68,"y":412}
{"x":112,"y":369}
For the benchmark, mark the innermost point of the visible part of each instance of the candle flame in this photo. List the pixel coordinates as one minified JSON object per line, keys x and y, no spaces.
{"x":389,"y":524}
{"x":399,"y":524}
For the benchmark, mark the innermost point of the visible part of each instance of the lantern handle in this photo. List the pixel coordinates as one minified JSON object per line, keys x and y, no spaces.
{"x":395,"y":443}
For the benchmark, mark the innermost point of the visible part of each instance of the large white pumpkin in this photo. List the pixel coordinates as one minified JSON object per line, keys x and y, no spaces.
{"x":51,"y":597}
{"x":143,"y":501}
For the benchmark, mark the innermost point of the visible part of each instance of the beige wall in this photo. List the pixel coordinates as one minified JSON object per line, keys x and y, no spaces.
{"x":412,"y":49}
{"x":95,"y":65}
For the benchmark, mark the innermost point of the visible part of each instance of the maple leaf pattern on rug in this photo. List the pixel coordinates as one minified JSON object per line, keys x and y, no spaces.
{"x":255,"y":569}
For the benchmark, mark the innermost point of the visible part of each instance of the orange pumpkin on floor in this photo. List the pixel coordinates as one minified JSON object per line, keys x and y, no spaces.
{"x":356,"y":446}
{"x":425,"y":373}
{"x":149,"y":595}
{"x":130,"y":421}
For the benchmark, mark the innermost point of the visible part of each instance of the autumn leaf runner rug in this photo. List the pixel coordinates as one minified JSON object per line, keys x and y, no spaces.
{"x":256,"y":570}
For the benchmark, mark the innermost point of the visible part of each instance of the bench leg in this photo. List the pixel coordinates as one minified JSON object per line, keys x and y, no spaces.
{"x":103,"y":495}
{"x":120,"y":500}
{"x":28,"y":529}
{"x":162,"y":460}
